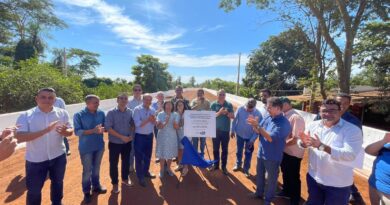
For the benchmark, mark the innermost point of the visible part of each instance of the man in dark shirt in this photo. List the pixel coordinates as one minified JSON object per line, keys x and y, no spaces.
{"x":179,"y":95}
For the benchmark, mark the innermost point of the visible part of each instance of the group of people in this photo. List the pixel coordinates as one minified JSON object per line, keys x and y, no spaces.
{"x":333,"y":141}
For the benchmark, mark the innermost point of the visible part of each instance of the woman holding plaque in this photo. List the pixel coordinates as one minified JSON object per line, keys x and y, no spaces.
{"x":180,"y":109}
{"x":166,"y":147}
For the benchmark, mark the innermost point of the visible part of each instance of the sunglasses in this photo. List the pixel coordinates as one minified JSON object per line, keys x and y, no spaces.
{"x":137,"y":90}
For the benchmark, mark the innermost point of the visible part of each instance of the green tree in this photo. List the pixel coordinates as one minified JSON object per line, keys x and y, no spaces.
{"x":84,"y":62}
{"x":27,"y":21}
{"x":218,"y":83}
{"x":24,"y":50}
{"x":151,"y":74}
{"x":373,"y":54}
{"x":279,"y":62}
{"x":96,"y":81}
{"x":346,"y":18}
{"x":192,"y":82}
{"x":28,"y":16}
{"x":15,"y":96}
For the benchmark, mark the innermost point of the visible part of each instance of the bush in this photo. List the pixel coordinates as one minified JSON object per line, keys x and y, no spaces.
{"x":19,"y":87}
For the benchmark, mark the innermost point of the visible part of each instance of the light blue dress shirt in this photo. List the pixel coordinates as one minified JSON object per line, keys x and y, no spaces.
{"x":240,"y":126}
{"x":50,"y":145}
{"x":140,"y":114}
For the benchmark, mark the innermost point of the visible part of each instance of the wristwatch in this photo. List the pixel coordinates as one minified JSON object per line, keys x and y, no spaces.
{"x":321,"y":147}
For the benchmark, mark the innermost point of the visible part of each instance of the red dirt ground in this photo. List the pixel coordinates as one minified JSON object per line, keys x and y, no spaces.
{"x":198,"y":187}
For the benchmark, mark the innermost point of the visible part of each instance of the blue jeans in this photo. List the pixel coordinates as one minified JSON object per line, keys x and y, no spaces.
{"x":195,"y":144}
{"x":241,"y":142}
{"x":272,"y":169}
{"x":91,"y":169}
{"x":320,"y":194}
{"x":36,"y":174}
{"x":143,"y":145}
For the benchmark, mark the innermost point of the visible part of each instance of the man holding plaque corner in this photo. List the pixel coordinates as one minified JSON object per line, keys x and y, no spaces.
{"x":224,"y":112}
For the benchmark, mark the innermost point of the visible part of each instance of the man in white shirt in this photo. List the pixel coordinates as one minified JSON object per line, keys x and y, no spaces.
{"x":43,"y":128}
{"x":333,"y":144}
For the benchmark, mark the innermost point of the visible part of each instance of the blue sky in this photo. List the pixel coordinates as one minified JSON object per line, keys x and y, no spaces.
{"x":196,"y":38}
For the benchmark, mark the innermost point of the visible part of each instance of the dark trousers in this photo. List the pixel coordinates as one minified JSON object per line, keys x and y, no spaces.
{"x":320,"y":194}
{"x":290,"y":167}
{"x":36,"y":174}
{"x":222,"y":139}
{"x":155,"y":132}
{"x":114,"y":151}
{"x":354,"y":189}
{"x":143,"y":145}
{"x":66,"y":144}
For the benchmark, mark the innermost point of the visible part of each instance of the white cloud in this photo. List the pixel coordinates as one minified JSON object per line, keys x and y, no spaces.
{"x":160,"y":45}
{"x":154,"y":7}
{"x":130,"y":30}
{"x":82,"y":17}
{"x":182,"y":60}
{"x":204,"y":29}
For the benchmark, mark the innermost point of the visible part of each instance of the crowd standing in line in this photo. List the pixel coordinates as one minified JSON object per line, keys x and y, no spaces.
{"x":333,"y":142}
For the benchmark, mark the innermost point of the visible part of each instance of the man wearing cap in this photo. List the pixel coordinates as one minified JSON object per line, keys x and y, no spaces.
{"x":292,"y":155}
{"x":244,"y":132}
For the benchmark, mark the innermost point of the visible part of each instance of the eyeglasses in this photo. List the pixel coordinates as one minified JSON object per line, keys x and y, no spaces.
{"x":137,"y":90}
{"x":221,"y":94}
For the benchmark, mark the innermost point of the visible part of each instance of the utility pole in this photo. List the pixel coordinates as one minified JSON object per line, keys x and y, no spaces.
{"x":65,"y":71}
{"x":238,"y":75}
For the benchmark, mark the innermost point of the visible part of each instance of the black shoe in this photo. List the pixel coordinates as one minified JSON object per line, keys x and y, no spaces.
{"x":100,"y":190}
{"x":246,"y":173}
{"x":356,"y":199}
{"x":87,"y":198}
{"x":236,"y":168}
{"x":142,"y":183}
{"x":224,"y":171}
{"x":150,"y":175}
{"x":283,"y":194}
